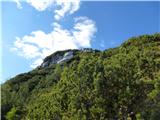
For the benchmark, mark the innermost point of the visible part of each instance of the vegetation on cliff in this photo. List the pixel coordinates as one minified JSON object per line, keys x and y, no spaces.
{"x":118,"y":83}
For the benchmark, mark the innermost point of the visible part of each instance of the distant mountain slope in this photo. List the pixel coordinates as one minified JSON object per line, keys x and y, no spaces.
{"x":115,"y":84}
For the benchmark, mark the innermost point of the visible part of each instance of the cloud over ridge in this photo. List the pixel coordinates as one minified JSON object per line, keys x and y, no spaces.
{"x":39,"y":44}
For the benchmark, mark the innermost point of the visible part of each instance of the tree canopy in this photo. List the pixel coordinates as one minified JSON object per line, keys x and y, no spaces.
{"x":114,"y":84}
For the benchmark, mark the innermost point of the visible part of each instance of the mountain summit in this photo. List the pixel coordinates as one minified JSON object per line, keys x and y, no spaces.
{"x":63,"y":56}
{"x":114,"y":84}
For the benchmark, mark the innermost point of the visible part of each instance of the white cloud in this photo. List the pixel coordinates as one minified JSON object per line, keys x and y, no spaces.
{"x":19,"y":6}
{"x":25,"y":49}
{"x":40,"y":5}
{"x":84,"y":30}
{"x":66,"y":6}
{"x":39,"y":44}
{"x":61,"y":7}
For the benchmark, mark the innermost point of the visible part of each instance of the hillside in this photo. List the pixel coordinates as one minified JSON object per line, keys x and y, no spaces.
{"x":114,"y":84}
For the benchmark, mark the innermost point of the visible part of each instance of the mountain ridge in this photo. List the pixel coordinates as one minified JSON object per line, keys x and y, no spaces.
{"x":117,"y":83}
{"x":63,"y":56}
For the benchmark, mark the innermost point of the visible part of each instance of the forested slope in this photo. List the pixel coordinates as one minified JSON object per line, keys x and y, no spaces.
{"x":118,"y":83}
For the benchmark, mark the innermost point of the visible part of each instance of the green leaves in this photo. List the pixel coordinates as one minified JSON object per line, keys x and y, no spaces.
{"x":121,"y":83}
{"x":14,"y":114}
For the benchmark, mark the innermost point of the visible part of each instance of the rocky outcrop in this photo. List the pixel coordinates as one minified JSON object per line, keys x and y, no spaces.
{"x":63,"y":56}
{"x":66,"y":56}
{"x":58,"y":57}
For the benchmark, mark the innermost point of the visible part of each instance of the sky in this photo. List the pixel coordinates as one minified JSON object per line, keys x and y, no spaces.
{"x":33,"y":29}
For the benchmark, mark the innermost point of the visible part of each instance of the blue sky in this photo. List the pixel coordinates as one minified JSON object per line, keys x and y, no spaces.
{"x":28,"y":30}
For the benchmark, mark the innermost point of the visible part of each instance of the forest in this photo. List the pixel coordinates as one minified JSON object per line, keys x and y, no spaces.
{"x":121,"y":83}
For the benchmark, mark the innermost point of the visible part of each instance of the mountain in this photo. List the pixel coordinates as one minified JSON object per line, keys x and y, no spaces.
{"x":121,"y":83}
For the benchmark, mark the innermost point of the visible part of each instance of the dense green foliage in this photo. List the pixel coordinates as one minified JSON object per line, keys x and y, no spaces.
{"x":119,"y":83}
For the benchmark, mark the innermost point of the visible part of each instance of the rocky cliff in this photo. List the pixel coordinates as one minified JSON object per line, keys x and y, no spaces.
{"x":63,"y":56}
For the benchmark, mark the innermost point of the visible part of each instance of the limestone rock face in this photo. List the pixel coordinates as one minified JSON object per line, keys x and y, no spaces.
{"x":58,"y":57}
{"x":66,"y":56}
{"x":63,"y":56}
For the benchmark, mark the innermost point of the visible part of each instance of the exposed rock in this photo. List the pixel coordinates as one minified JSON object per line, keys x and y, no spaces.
{"x":63,"y":56}
{"x":89,"y":50}
{"x":58,"y":57}
{"x":67,"y":56}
